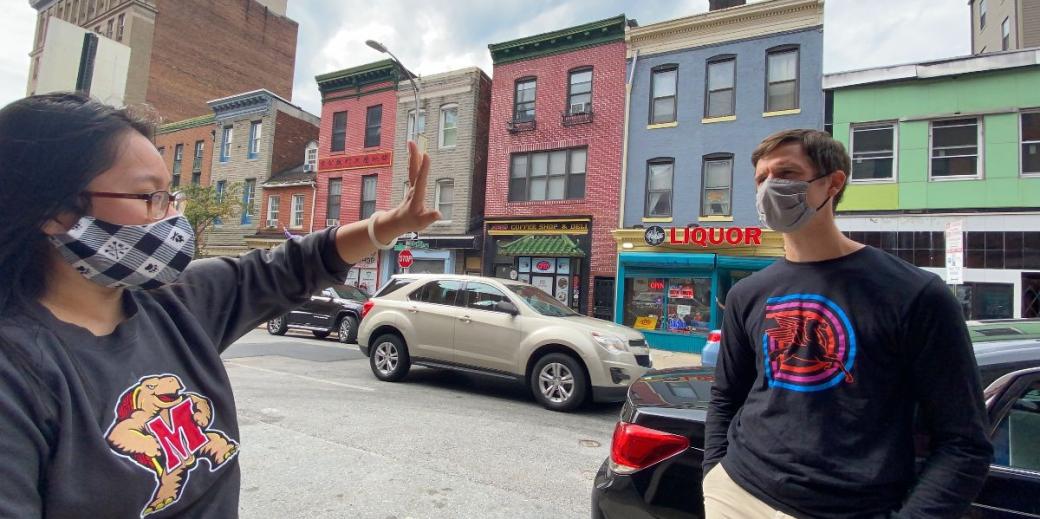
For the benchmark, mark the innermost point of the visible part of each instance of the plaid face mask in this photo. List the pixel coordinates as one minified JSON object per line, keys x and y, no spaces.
{"x":128,"y":256}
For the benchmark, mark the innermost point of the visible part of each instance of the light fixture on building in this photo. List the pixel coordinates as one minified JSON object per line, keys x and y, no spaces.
{"x":420,"y":140}
{"x":627,"y":245}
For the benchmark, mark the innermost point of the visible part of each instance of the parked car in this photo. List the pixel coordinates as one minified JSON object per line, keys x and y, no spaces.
{"x":500,"y":328}
{"x":334,"y":309}
{"x":710,"y":353}
{"x":654,"y":468}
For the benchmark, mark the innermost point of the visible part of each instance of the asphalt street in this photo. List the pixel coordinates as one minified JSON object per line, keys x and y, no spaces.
{"x":323,"y":438}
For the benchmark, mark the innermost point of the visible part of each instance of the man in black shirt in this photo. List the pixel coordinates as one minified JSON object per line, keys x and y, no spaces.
{"x":828,"y":358}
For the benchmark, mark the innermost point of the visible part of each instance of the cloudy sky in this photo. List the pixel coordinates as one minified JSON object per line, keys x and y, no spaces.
{"x":439,"y":35}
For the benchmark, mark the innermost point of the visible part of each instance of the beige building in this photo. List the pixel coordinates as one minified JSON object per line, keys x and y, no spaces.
{"x":454,"y":122}
{"x":257,"y":134}
{"x":998,"y":25}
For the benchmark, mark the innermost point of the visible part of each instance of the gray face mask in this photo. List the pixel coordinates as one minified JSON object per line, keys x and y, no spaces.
{"x":782,"y":204}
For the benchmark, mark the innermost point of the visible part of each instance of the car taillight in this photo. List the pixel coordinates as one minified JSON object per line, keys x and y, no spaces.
{"x":715,"y":336}
{"x":636,"y":447}
{"x":366,"y":307}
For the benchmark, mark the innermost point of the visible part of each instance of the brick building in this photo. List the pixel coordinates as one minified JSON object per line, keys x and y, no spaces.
{"x":356,"y":150}
{"x":287,"y":205}
{"x":554,"y":167}
{"x":454,"y":120}
{"x":185,"y":52}
{"x":187,"y":149}
{"x":258,"y":134}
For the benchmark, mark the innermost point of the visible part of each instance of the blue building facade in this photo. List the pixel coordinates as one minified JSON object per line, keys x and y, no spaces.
{"x":704,"y":91}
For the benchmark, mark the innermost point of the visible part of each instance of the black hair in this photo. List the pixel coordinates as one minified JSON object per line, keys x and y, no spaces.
{"x":51,"y":147}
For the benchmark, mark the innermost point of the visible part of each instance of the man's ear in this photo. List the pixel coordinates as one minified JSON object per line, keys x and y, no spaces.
{"x":837,"y":179}
{"x":59,"y":224}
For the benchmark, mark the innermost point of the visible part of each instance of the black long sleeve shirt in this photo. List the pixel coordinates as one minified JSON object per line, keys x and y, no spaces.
{"x":821,"y":367}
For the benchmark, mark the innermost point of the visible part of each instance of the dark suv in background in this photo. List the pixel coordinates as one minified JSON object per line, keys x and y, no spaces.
{"x":334,"y":309}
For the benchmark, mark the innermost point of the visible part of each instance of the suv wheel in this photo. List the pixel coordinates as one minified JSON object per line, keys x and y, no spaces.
{"x":348,"y":329}
{"x":389,"y":359}
{"x":559,"y":383}
{"x":277,"y":326}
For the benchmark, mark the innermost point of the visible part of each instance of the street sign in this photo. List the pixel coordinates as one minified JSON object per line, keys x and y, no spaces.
{"x":409,"y":236}
{"x":955,"y":252}
{"x":405,"y":259}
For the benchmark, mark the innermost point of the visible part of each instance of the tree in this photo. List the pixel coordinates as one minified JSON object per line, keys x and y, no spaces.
{"x":205,"y":207}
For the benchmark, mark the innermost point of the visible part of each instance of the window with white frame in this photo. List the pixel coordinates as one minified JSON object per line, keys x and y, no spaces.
{"x":720,"y":91}
{"x":1005,"y":34}
{"x":982,"y":14}
{"x":1031,"y":143}
{"x":339,"y":131}
{"x":579,"y":92}
{"x":954,"y":148}
{"x":415,"y":130}
{"x":255,"y":129}
{"x":310,"y":158}
{"x":449,"y":125}
{"x":659,"y":176}
{"x":445,"y":198}
{"x":782,"y":79}
{"x":196,"y":161}
{"x":663,"y":89}
{"x":524,"y":95}
{"x":225,"y":143}
{"x":717,"y":185}
{"x":368,"y":195}
{"x":274,"y":202}
{"x":873,"y":152}
{"x":297,"y":212}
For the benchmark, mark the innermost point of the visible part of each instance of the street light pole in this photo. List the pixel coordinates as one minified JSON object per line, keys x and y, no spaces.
{"x":420,"y":138}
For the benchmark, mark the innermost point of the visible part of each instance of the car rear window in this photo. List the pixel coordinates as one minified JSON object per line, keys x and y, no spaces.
{"x":394,"y":285}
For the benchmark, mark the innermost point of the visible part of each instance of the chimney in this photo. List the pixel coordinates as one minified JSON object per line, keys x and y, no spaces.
{"x":715,"y":5}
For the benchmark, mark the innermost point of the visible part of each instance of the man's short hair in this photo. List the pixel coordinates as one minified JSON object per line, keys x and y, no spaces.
{"x":826,"y":153}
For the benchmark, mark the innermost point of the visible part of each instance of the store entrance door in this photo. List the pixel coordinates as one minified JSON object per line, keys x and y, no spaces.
{"x":1031,"y":295}
{"x":603,"y":307}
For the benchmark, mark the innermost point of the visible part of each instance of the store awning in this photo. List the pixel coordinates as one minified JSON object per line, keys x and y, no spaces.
{"x":556,"y":246}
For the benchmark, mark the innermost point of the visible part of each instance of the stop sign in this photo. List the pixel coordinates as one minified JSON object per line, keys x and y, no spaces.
{"x":405,"y":259}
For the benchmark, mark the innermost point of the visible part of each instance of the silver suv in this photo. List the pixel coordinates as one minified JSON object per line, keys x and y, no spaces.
{"x":501,"y":328}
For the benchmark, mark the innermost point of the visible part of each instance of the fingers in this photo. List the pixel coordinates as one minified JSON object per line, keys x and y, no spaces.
{"x":414,"y":160}
{"x":418,"y":181}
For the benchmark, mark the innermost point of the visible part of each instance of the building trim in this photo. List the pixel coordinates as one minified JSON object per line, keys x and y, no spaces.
{"x":600,"y":32}
{"x":944,"y":68}
{"x":356,"y":77}
{"x":194,"y":122}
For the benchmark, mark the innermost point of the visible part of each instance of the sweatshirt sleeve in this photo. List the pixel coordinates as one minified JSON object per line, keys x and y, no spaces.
{"x":23,"y":441}
{"x":735,"y":373}
{"x":230,"y":296}
{"x":949,"y":396}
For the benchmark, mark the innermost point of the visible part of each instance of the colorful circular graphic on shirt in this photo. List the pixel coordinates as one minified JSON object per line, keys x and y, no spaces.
{"x":808,"y":345}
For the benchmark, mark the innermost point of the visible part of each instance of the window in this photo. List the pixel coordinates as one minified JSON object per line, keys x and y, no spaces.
{"x":523,"y":99}
{"x":248,"y":198}
{"x":108,"y":29}
{"x":955,"y":148}
{"x":982,"y":14}
{"x":717,"y":184}
{"x":297,"y":212}
{"x":986,"y":300}
{"x":254,"y":138}
{"x":162,"y":151}
{"x":339,"y":131}
{"x":663,"y":88}
{"x":178,"y":158}
{"x":482,"y":296}
{"x":1002,"y":250}
{"x":671,"y":305}
{"x":449,"y":125}
{"x":196,"y":161}
{"x":119,"y":27}
{"x":1005,"y":34}
{"x":332,"y":203}
{"x":221,"y":184}
{"x":416,"y":130}
{"x":552,"y":175}
{"x":445,"y":197}
{"x":273,"y":204}
{"x":1014,"y":441}
{"x":659,"y":177}
{"x":782,"y":79}
{"x":720,"y":87}
{"x":438,"y":293}
{"x":873,"y":152}
{"x":1031,"y":143}
{"x":310,"y":156}
{"x":373,"y":125}
{"x":368,"y":195}
{"x":579,"y":92}
{"x":225,"y":144}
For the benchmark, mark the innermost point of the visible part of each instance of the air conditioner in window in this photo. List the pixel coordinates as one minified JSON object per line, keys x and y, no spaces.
{"x":272,"y":224}
{"x":331,"y":222}
{"x":580,"y":108}
{"x":308,"y":167}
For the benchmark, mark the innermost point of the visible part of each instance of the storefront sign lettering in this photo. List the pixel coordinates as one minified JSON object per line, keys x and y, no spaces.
{"x":707,"y":236}
{"x":539,"y":227}
{"x":379,"y":159}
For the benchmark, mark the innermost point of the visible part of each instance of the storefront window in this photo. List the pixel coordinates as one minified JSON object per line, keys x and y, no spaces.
{"x":671,"y":305}
{"x":986,"y":300}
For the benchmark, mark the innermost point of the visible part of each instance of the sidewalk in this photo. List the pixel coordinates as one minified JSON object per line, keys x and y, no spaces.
{"x":672,"y":359}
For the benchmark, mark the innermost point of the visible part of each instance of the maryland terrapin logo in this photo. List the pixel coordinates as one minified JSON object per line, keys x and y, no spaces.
{"x":166,"y":430}
{"x":808,"y":345}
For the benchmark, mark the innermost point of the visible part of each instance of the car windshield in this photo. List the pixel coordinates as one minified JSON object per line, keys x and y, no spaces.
{"x":349,"y":292}
{"x":540,"y":301}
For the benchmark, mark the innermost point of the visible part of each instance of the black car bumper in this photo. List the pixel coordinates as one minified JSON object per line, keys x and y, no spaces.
{"x":609,"y":393}
{"x":644,"y":495}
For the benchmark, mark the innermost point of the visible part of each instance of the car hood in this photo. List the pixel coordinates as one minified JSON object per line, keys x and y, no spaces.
{"x":599,"y":325}
{"x":675,"y":388}
{"x":987,"y":353}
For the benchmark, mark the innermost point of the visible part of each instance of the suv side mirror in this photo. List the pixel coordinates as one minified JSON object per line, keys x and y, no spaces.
{"x":507,"y":307}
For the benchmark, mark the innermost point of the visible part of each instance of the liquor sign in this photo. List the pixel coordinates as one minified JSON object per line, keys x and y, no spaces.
{"x":955,"y":253}
{"x":703,"y":236}
{"x":379,"y":159}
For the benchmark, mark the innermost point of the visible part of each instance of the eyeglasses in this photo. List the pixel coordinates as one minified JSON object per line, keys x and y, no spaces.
{"x":158,"y":201}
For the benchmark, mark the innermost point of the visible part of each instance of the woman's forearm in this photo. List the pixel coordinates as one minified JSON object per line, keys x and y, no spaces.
{"x":353,"y":243}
